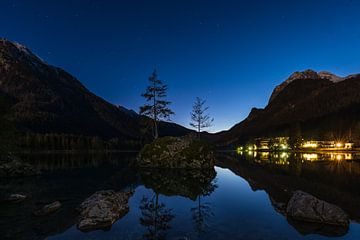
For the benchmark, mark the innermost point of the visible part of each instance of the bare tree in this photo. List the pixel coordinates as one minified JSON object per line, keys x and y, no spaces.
{"x":157,"y":108}
{"x":199,"y":118}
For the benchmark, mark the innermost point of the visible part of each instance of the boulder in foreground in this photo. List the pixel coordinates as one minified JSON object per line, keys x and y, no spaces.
{"x":177,"y":152}
{"x":305,"y":207}
{"x":102,"y":209}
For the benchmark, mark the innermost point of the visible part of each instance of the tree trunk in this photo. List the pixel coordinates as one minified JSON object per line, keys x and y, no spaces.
{"x":156,"y":214}
{"x":199,"y":129}
{"x":156,"y":134}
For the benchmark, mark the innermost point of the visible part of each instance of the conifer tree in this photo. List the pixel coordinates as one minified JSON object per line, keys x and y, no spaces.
{"x":156,"y":107}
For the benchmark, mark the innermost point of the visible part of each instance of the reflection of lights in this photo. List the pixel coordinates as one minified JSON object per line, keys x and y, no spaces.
{"x":239,"y":150}
{"x":284,"y":155}
{"x":283,"y":146}
{"x":309,"y":145}
{"x":340,"y":156}
{"x":264,"y":154}
{"x":310,"y":156}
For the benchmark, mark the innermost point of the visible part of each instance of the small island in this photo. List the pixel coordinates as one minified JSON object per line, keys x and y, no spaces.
{"x":177,"y":152}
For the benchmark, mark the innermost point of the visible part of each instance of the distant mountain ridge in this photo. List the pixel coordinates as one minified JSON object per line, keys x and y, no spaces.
{"x":46,"y":99}
{"x":307,"y":74}
{"x":321,"y":104}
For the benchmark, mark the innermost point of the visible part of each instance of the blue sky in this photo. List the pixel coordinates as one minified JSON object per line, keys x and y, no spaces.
{"x":232,"y":53}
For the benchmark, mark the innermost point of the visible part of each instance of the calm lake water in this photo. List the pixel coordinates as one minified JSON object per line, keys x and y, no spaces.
{"x":242,"y":198}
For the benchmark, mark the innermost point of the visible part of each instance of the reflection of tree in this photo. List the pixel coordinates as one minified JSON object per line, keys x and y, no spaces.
{"x":189,"y":183}
{"x":201,"y":215}
{"x":295,"y":164}
{"x":203,"y":212}
{"x":155,"y":217}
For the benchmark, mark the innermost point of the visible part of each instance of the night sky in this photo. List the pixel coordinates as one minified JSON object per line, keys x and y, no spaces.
{"x":233,"y":53}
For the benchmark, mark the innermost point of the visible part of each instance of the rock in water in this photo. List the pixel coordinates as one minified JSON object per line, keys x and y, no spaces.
{"x":177,"y":152}
{"x":305,"y":207}
{"x":12,"y":198}
{"x":15,"y":198}
{"x":48,"y":209}
{"x":102,"y":209}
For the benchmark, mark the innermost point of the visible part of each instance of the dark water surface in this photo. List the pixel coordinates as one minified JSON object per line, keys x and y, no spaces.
{"x":243,"y":198}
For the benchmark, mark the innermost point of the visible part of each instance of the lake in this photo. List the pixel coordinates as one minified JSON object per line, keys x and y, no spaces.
{"x":242,"y":198}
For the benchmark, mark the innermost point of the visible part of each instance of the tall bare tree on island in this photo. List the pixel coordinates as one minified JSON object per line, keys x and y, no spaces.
{"x":199,"y":118}
{"x":157,"y":107}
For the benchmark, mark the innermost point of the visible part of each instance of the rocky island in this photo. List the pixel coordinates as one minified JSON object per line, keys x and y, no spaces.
{"x":177,"y":152}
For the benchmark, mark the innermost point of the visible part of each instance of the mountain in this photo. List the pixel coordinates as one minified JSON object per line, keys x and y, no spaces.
{"x":320,"y":104}
{"x":47,"y":99}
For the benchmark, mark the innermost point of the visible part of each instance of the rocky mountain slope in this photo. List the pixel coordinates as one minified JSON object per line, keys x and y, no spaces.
{"x":320,"y":105}
{"x":47,"y":99}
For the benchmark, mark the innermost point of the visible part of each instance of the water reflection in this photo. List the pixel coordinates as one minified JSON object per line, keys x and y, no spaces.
{"x":179,"y":182}
{"x":155,"y":217}
{"x":184,"y":204}
{"x":191,"y":184}
{"x":65,"y":180}
{"x":320,"y":229}
{"x":201,"y":215}
{"x":282,"y":158}
{"x":333,"y":177}
{"x":68,"y":161}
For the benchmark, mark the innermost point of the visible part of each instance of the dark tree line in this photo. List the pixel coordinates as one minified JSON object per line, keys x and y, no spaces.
{"x":156,"y":109}
{"x":7,"y":129}
{"x":68,"y":142}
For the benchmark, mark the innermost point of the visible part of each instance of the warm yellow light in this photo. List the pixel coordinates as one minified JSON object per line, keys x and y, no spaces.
{"x":338,"y":157}
{"x":284,"y":155}
{"x":309,"y":145}
{"x":338,"y":144}
{"x":283,"y":146}
{"x":310,"y":156}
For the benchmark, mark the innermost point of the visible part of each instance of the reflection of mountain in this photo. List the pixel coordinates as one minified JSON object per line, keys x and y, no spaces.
{"x":184,"y":182}
{"x":70,"y":187}
{"x":332,"y":181}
